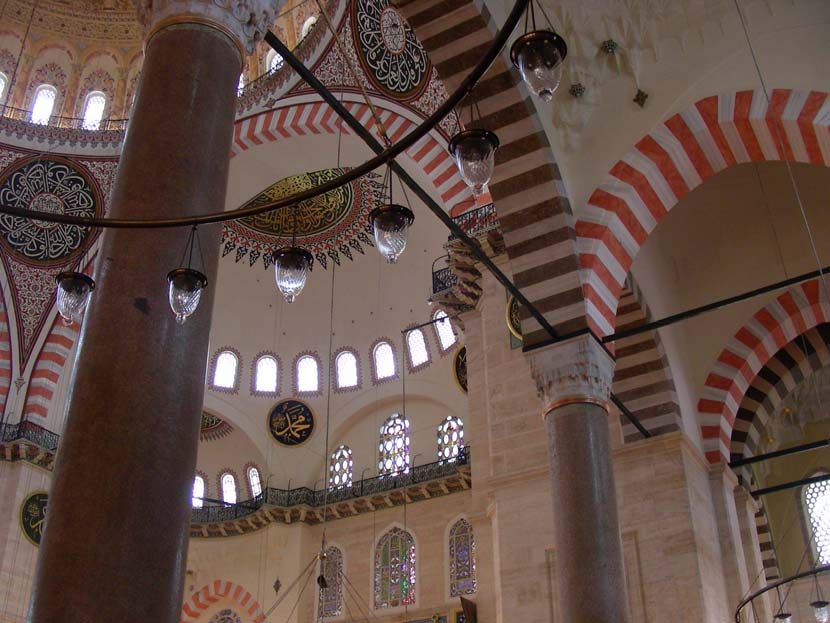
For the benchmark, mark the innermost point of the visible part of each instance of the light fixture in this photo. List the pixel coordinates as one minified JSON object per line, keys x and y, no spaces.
{"x":291,"y":265}
{"x":538,"y":55}
{"x":821,"y":611}
{"x":184,"y":290}
{"x":784,"y":617}
{"x":185,"y":284}
{"x":474,"y":151}
{"x":73,"y":294}
{"x":390,"y":223}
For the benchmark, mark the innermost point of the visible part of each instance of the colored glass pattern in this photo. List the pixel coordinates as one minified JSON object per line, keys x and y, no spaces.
{"x":450,"y":438}
{"x":330,"y":602}
{"x":817,"y":501}
{"x":395,"y":570}
{"x":462,"y":559}
{"x":340,"y":467}
{"x":393,"y":450}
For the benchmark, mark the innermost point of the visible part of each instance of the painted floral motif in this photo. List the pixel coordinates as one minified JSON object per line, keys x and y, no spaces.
{"x":389,"y":51}
{"x":49,"y":73}
{"x":98,"y":80}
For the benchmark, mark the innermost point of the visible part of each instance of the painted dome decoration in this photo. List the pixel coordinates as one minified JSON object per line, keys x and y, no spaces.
{"x":330,"y":225}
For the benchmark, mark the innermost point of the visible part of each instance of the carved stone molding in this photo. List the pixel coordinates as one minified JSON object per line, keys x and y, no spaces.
{"x":577,"y":370}
{"x":245,"y":20}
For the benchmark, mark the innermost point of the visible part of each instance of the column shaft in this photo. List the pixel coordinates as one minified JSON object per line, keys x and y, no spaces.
{"x":588,"y":549}
{"x":115,"y":544}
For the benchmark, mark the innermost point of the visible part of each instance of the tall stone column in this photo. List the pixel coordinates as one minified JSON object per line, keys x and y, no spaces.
{"x":574,"y":381}
{"x":115,"y":544}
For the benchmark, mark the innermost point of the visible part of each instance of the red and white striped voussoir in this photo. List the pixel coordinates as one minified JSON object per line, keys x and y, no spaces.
{"x":219,"y":590}
{"x":48,"y":369}
{"x":5,"y":358}
{"x":319,"y":118}
{"x":770,"y":329}
{"x":678,"y":155}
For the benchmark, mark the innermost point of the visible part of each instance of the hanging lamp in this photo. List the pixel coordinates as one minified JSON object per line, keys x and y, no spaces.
{"x":185,"y":285}
{"x":821,"y":609}
{"x":474,"y":151}
{"x":291,"y":266}
{"x":538,"y":55}
{"x":73,"y":292}
{"x":390,"y":223}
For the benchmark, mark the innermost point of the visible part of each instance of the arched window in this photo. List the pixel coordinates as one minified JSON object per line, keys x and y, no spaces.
{"x":225,"y":370}
{"x":4,"y":81}
{"x":254,"y":481}
{"x":393,"y":450}
{"x":395,"y":570}
{"x":308,"y":374}
{"x":450,"y":438}
{"x":266,"y":376}
{"x":384,"y":358}
{"x":198,"y":492}
{"x":43,"y":103}
{"x":240,"y":85}
{"x":228,"y":483}
{"x":94,"y":107}
{"x":444,"y":330}
{"x":340,"y":467}
{"x":331,"y":597}
{"x":417,"y":347}
{"x":817,"y":505}
{"x":345,"y":365}
{"x":274,"y":61}
{"x":307,"y":26}
{"x":462,"y":559}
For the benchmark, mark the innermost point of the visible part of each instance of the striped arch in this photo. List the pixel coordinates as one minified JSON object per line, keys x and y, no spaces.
{"x":217,"y":591}
{"x":794,"y":312}
{"x":688,"y":148}
{"x":795,"y":362}
{"x":47,"y":370}
{"x":316,"y":117}
{"x":5,"y":357}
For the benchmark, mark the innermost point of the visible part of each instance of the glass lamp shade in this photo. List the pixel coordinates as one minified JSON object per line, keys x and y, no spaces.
{"x":538,"y":56}
{"x":821,"y":611}
{"x":474,"y":152}
{"x":291,"y":265}
{"x":783,"y":617}
{"x":73,"y":294}
{"x":184,"y":289}
{"x":391,"y":224}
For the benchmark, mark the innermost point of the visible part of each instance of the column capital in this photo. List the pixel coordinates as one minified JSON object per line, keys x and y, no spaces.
{"x":578,"y":370}
{"x":245,"y":21}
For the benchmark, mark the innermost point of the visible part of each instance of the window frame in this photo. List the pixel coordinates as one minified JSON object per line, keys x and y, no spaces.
{"x":203,"y":477}
{"x":257,"y":357}
{"x":407,"y":446}
{"x":220,"y":478}
{"x":411,"y":366}
{"x":212,"y":371}
{"x":295,"y":377}
{"x":441,"y":350}
{"x":806,"y":521}
{"x":342,"y":598}
{"x":308,"y":25}
{"x":45,"y":86}
{"x":350,"y":454}
{"x":336,"y":377}
{"x":448,"y":535}
{"x":248,"y":468}
{"x":4,"y":93}
{"x":374,"y":567}
{"x":269,"y":58}
{"x":440,"y":444}
{"x":372,"y":349}
{"x":90,"y":94}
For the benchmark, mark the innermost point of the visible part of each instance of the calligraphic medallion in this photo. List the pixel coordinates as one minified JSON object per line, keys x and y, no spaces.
{"x":33,"y":516}
{"x":514,"y":320}
{"x":291,"y":422}
{"x":459,"y":368}
{"x":389,"y":51}
{"x":53,"y":186}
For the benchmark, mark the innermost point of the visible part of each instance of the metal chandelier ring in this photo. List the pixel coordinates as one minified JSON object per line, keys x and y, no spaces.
{"x":379,"y":160}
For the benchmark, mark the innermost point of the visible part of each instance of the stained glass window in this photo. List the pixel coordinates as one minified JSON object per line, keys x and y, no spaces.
{"x":228,"y":488}
{"x":224,"y":372}
{"x":43,"y":103}
{"x":395,"y":570}
{"x":254,"y":481}
{"x":308,"y":374}
{"x":450,"y":438}
{"x":266,"y":375}
{"x":346,"y":367}
{"x":443,"y":327}
{"x":393,"y":450}
{"x":340,"y":467}
{"x":817,"y":502}
{"x":462,"y":559}
{"x":240,"y":85}
{"x":198,"y":492}
{"x":307,"y":26}
{"x":274,"y":61}
{"x":417,"y":346}
{"x":331,"y":597}
{"x":3,"y":82}
{"x":384,"y":358}
{"x":96,"y":102}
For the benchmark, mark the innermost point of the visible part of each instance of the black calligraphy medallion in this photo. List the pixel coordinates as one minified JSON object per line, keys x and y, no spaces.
{"x":33,"y":515}
{"x":291,"y":422}
{"x":514,"y":319}
{"x":459,"y":366}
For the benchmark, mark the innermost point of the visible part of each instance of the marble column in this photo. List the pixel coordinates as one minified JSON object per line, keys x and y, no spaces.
{"x":574,"y":381}
{"x":115,"y":543}
{"x":746,"y":507}
{"x":723,"y":483}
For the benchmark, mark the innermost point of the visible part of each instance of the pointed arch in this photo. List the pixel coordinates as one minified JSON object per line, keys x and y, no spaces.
{"x":394,"y":578}
{"x":46,"y":373}
{"x":210,"y":594}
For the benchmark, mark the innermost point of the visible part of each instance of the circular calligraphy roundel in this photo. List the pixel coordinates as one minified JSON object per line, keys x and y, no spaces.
{"x":291,"y":422}
{"x":390,"y":53}
{"x":54,"y":186}
{"x":33,"y":516}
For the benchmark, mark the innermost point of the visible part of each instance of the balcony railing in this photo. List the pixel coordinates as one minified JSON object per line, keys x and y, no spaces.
{"x":443,"y":279}
{"x":67,"y":123}
{"x":28,"y":431}
{"x":477,"y":221}
{"x":303,"y":496}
